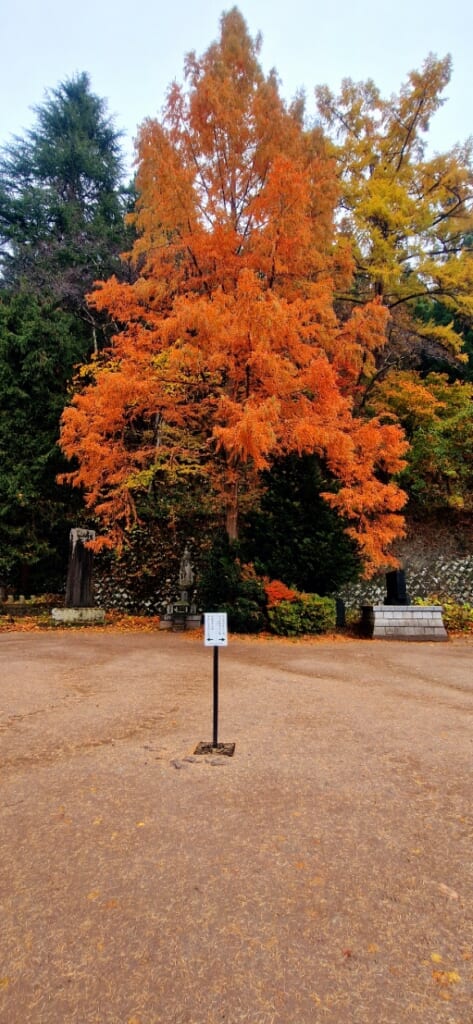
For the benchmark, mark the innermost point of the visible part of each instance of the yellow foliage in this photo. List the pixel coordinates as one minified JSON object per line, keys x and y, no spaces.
{"x":407,"y":214}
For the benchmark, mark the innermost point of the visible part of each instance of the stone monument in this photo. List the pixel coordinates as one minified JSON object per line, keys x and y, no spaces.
{"x":182,"y":614}
{"x":186,"y":575}
{"x":396,"y":592}
{"x":79,"y":606}
{"x":397,"y":619}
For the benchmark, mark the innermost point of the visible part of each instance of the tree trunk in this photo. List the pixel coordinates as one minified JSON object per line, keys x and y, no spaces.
{"x":232,"y":514}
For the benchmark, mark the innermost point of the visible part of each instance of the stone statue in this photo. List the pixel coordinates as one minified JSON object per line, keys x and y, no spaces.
{"x":186,"y":572}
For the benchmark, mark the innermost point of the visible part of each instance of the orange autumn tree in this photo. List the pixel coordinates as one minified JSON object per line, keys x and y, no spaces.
{"x":227,"y":351}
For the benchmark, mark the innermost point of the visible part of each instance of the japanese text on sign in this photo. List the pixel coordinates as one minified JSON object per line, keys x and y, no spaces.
{"x":215,"y":629}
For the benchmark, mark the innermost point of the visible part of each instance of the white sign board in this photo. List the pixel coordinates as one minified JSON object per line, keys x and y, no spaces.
{"x":215,"y":629}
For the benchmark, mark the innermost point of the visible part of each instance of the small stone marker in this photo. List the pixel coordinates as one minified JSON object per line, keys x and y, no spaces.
{"x":413,"y":622}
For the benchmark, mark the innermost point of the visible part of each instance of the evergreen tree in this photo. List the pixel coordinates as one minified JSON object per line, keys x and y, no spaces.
{"x":61,"y":199}
{"x":294,"y":536}
{"x":62,"y":208}
{"x":39,"y":344}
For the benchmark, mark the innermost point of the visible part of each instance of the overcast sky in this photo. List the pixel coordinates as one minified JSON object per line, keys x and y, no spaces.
{"x":133,"y":51}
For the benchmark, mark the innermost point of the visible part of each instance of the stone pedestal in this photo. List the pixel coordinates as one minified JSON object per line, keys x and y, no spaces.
{"x":187,"y":621}
{"x":78,"y":616}
{"x":409,"y":622}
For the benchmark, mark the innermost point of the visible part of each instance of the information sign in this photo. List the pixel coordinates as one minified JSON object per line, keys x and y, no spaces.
{"x":215,"y":629}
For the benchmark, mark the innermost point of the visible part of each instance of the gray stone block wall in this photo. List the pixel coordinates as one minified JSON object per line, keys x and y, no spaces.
{"x":445,"y":575}
{"x":410,"y":622}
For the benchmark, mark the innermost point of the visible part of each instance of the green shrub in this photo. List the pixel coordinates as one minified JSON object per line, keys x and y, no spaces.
{"x":308,"y":613}
{"x":285,"y":618}
{"x":244,"y":616}
{"x":219,"y":577}
{"x":225,"y":585}
{"x":458,"y":618}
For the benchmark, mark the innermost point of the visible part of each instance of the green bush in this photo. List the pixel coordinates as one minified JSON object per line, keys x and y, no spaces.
{"x":219,"y":576}
{"x":458,"y":618}
{"x":308,"y":613}
{"x":244,"y":616}
{"x":225,"y":585}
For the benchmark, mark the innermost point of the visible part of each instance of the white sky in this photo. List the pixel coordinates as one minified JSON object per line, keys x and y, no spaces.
{"x":133,"y":51}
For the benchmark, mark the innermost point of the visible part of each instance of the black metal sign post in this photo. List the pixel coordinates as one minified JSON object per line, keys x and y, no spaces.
{"x":215,"y":688}
{"x":215,"y":635}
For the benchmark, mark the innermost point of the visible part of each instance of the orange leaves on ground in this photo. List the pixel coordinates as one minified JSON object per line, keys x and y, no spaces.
{"x":445,"y":981}
{"x":446,"y":977}
{"x":24,"y":624}
{"x":115,"y":622}
{"x":132,"y":623}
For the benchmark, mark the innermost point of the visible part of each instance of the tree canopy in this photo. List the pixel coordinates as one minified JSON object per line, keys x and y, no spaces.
{"x":61,"y":225}
{"x":62,"y":201}
{"x":408,"y":214}
{"x":229,"y":352}
{"x":409,"y":217}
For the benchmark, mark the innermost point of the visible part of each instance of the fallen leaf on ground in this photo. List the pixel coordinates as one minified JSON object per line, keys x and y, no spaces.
{"x":446,"y":977}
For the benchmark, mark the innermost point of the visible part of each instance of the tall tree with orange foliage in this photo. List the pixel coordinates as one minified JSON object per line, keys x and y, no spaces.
{"x":228,"y":352}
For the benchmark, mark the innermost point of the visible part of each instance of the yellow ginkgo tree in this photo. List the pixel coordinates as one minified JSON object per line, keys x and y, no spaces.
{"x":407,"y":212}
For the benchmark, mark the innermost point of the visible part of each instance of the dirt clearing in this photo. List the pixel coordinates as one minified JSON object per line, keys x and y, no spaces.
{"x":323,"y":873}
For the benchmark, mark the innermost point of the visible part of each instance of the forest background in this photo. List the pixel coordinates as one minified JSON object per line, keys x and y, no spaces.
{"x":280,"y":361}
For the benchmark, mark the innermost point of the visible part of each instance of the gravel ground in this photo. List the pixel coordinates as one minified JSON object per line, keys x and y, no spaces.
{"x":323,"y":873}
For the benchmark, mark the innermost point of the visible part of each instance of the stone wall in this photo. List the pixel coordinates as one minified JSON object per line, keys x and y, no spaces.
{"x":444,"y":575}
{"x":437,"y":559}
